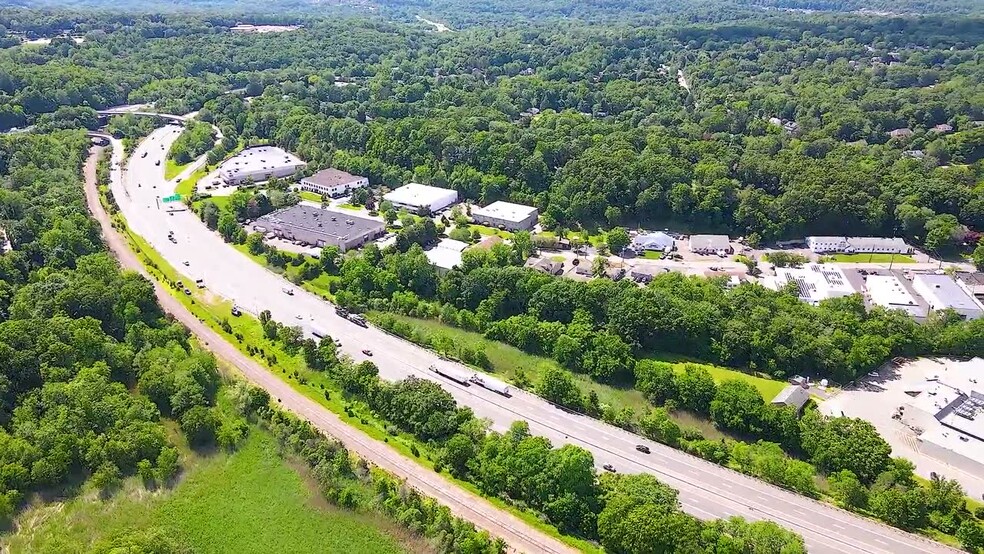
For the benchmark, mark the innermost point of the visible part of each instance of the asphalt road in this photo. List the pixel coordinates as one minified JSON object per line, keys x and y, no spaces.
{"x":706,"y":490}
{"x":518,"y":534}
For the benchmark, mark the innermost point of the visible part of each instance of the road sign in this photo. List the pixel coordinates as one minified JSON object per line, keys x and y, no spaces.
{"x":172,"y":198}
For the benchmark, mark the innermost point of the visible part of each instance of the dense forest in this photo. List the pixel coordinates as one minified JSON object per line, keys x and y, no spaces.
{"x":787,"y":125}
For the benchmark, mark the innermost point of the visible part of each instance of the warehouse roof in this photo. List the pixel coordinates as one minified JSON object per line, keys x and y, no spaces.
{"x":309,"y":224}
{"x":710,"y":242}
{"x":259,"y":159}
{"x":331,"y":177}
{"x":415,"y":194}
{"x":947,"y":291}
{"x":505,"y":211}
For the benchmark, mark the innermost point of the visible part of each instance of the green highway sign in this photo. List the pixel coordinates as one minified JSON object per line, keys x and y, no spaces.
{"x":172,"y":198}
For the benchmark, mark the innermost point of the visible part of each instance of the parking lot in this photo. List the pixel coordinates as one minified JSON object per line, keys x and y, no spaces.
{"x":876,"y":397}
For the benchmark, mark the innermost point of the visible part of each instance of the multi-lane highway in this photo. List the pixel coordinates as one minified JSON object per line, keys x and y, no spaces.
{"x":706,"y":490}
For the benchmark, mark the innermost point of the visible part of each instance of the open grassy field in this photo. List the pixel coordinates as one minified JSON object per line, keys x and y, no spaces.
{"x":768,"y":388}
{"x":172,"y":168}
{"x":489,"y":231}
{"x":651,"y":255}
{"x":309,"y":196}
{"x":187,"y":186}
{"x":873,"y":258}
{"x":248,"y":501}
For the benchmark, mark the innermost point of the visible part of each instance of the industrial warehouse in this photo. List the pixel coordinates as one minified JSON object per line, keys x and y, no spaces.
{"x":506,"y":215}
{"x":317,"y":227}
{"x":258,"y":164}
{"x":419,"y":198}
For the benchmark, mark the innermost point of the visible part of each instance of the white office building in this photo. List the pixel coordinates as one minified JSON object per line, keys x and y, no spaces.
{"x":814,"y":282}
{"x":889,"y":292}
{"x":857,"y":245}
{"x":416,"y":198}
{"x":332,"y":182}
{"x":941,"y":292}
{"x":258,"y":164}
{"x":514,"y":217}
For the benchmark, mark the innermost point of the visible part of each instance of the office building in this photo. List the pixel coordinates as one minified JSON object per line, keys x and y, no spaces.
{"x":814,"y":282}
{"x":332,"y":182}
{"x":419,"y":198}
{"x":259,"y":164}
{"x":506,"y":215}
{"x":319,"y":228}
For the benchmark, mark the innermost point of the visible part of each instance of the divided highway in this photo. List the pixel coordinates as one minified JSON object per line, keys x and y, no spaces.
{"x":706,"y":490}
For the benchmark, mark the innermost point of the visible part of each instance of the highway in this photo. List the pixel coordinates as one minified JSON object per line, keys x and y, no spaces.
{"x":706,"y":490}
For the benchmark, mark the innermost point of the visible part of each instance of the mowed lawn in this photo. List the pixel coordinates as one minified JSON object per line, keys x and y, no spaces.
{"x":249,"y":501}
{"x":874,"y":258}
{"x":768,"y":388}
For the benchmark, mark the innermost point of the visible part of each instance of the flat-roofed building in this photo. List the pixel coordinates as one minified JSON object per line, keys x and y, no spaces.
{"x":319,"y":228}
{"x":446,"y":255}
{"x":418,"y":198}
{"x":889,"y":292}
{"x":857,"y":245}
{"x":972,"y":282}
{"x":506,"y":215}
{"x":332,"y":182}
{"x":258,"y":164}
{"x":814,"y":282}
{"x":942,"y":292}
{"x":711,"y":244}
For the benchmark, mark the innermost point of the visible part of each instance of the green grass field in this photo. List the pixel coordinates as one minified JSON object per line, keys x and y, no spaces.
{"x":872,"y":258}
{"x":187,"y":186}
{"x":650,"y":255}
{"x":489,"y":231}
{"x":249,"y":501}
{"x":309,"y":196}
{"x":347,"y":206}
{"x":768,"y":388}
{"x":172,"y":168}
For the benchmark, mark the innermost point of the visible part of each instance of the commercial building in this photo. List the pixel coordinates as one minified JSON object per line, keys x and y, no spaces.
{"x":857,"y":245}
{"x":815,"y":282}
{"x":446,"y":255}
{"x":418,"y":198}
{"x":972,"y":282}
{"x":506,"y":215}
{"x":948,"y":412}
{"x":711,"y":244}
{"x":889,"y":292}
{"x":942,"y":292}
{"x":332,"y":182}
{"x":259,"y":164}
{"x":655,"y":242}
{"x":319,"y":228}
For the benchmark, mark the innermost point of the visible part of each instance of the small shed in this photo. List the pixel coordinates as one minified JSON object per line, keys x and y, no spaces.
{"x":793,"y":395}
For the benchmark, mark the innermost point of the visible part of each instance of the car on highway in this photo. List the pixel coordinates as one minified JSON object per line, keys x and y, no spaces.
{"x":187,"y":291}
{"x":236,"y":312}
{"x":144,"y":155}
{"x":642,"y":448}
{"x":367,"y":352}
{"x":288,"y":291}
{"x":158,"y":162}
{"x":609,"y":467}
{"x":186,"y":263}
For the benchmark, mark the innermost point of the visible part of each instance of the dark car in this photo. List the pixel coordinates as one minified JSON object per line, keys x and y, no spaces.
{"x":235,"y":311}
{"x":609,"y":467}
{"x":367,"y":352}
{"x":187,"y":290}
{"x":642,"y":448}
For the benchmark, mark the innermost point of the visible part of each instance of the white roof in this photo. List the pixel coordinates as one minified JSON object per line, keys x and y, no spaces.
{"x":956,"y":442}
{"x":506,"y":211}
{"x":415,"y":194}
{"x":447,"y":253}
{"x":889,"y":292}
{"x":815,"y":282}
{"x":259,"y":159}
{"x":658,"y":240}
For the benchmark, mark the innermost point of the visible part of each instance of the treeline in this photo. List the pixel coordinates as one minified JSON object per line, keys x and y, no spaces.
{"x":77,"y":335}
{"x":559,"y":483}
{"x":196,"y":139}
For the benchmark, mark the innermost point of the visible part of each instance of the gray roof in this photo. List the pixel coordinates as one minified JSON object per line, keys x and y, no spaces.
{"x":309,"y":224}
{"x":710,"y":242}
{"x":332,"y":177}
{"x":793,"y":395}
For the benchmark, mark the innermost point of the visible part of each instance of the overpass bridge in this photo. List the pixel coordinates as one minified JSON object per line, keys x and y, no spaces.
{"x":178,"y":119}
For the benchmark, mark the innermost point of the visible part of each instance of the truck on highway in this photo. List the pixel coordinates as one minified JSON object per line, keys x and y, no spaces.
{"x":358,"y":319}
{"x":493,"y":385}
{"x":318,"y":332}
{"x":341,"y":312}
{"x":455,"y":375}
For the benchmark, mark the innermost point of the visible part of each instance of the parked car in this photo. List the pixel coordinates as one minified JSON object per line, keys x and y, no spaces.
{"x":642,"y":448}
